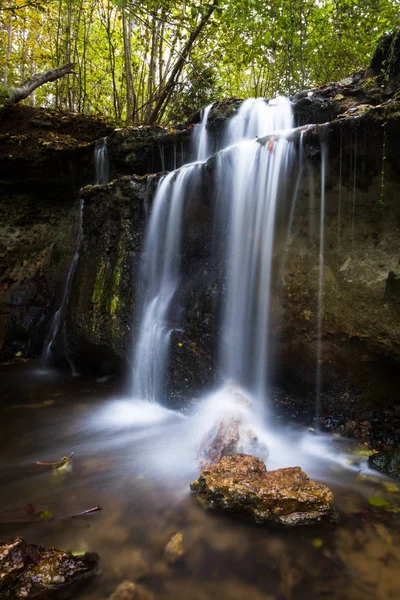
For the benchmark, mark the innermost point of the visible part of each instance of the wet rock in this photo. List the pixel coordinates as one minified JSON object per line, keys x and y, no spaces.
{"x":388,"y":464}
{"x":146,"y":149}
{"x":232,"y":432}
{"x":127,"y":590}
{"x":392,"y":289}
{"x":29,"y":571}
{"x":240,"y":484}
{"x":174,"y":550}
{"x":357,"y":429}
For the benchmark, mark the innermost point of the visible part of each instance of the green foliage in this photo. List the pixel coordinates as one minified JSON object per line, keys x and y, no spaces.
{"x":125,"y":51}
{"x":5,"y":94}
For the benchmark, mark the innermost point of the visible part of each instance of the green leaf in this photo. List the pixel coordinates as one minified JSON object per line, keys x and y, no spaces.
{"x":46,"y":515}
{"x":378,"y":501}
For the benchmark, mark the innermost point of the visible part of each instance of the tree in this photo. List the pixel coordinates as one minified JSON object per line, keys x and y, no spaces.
{"x":141,"y":61}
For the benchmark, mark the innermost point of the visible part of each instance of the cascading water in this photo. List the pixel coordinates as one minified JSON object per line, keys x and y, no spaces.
{"x":251,"y":180}
{"x":161,"y":275}
{"x":200,"y":138}
{"x":101,"y":161}
{"x":58,"y":315}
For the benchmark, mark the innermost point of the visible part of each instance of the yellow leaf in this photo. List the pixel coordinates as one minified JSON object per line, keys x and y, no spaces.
{"x":180,"y":344}
{"x":317,"y":542}
{"x":390,"y":486}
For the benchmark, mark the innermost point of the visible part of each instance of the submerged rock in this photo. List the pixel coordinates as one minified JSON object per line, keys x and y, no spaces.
{"x":241,"y":484}
{"x":29,"y":571}
{"x":388,"y":464}
{"x":127,"y":590}
{"x":174,"y":550}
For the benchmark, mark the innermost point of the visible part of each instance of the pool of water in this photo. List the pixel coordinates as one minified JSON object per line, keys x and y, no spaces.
{"x":137,"y":460}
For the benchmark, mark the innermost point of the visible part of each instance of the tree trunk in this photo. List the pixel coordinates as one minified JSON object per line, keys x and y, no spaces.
{"x":169,"y":86}
{"x":20,"y":93}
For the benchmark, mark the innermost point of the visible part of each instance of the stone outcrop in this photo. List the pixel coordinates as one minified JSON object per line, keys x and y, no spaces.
{"x":240,"y":484}
{"x":29,"y":571}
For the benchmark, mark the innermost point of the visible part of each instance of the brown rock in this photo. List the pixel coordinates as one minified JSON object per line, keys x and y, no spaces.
{"x":127,"y":590}
{"x":29,"y":571}
{"x":241,"y":484}
{"x":231,"y":434}
{"x":174,"y":550}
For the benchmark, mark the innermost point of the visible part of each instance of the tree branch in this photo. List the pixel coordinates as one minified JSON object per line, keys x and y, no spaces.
{"x":25,"y":89}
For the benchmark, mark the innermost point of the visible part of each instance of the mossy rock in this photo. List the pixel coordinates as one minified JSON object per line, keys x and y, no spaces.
{"x":388,"y":464}
{"x":240,"y":484}
{"x":29,"y":571}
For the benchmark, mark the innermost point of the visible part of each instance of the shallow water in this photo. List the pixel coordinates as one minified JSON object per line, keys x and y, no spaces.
{"x":137,"y":461}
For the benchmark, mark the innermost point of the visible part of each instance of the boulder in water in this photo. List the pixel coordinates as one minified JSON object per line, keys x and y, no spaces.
{"x":29,"y":571}
{"x":388,"y":464}
{"x":240,"y":484}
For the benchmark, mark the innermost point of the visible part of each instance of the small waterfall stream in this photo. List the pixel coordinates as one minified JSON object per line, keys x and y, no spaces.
{"x":59,"y":314}
{"x":200,"y":137}
{"x":101,"y":161}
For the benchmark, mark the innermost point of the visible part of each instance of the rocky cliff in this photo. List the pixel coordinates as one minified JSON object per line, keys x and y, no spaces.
{"x":359,"y":122}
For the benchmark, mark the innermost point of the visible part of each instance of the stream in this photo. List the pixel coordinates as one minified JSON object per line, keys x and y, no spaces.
{"x":137,"y":459}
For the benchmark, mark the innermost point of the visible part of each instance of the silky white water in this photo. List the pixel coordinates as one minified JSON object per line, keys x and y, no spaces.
{"x":200,"y":138}
{"x":101,"y":161}
{"x":252,"y":180}
{"x":160,"y":276}
{"x":256,"y":179}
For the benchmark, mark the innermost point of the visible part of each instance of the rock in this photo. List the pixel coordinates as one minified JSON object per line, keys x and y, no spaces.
{"x":127,"y":590}
{"x":232,"y":432}
{"x":392,"y":289}
{"x":357,"y":429}
{"x":241,"y":484}
{"x":29,"y":571}
{"x":388,"y":464}
{"x":174,"y":550}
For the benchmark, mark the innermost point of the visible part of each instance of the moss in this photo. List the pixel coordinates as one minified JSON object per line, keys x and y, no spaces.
{"x":114,"y":305}
{"x":98,"y":288}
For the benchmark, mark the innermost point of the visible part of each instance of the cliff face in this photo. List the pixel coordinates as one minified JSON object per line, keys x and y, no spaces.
{"x":361,"y":320}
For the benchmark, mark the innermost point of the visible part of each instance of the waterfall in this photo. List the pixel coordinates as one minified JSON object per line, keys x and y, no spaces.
{"x":252,"y":181}
{"x":201,"y":141}
{"x":255,"y":183}
{"x":101,"y":161}
{"x":58,"y":315}
{"x":160,"y":272}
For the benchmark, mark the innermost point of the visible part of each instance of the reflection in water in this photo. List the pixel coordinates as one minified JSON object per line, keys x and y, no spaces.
{"x":137,"y":462}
